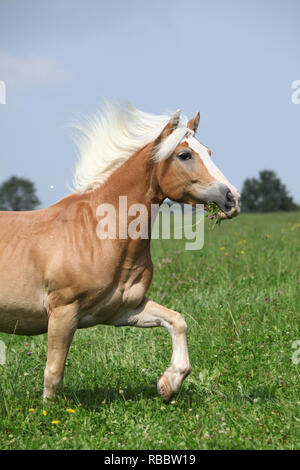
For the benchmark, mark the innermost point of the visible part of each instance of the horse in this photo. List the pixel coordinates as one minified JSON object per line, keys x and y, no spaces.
{"x":58,"y":275}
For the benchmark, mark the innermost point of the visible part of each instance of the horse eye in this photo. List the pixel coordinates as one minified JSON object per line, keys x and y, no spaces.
{"x":186,"y":155}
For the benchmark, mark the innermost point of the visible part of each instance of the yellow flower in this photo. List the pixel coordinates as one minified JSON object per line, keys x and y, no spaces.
{"x":32,"y":410}
{"x":55,"y":421}
{"x":242,"y":252}
{"x":226,"y":254}
{"x":69,"y":410}
{"x":44,"y":412}
{"x":222,"y":248}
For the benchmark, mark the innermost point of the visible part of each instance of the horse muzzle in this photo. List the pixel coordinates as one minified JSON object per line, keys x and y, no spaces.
{"x":226,"y":198}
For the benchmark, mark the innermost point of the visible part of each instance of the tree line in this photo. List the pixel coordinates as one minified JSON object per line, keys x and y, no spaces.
{"x":266,"y":193}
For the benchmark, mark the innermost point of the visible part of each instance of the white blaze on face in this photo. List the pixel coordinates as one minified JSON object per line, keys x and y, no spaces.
{"x":211,"y":167}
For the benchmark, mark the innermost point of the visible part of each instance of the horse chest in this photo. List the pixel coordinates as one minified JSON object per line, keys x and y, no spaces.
{"x":133,"y":294}
{"x":132,"y":287}
{"x":133,"y":284}
{"x":128,"y":292}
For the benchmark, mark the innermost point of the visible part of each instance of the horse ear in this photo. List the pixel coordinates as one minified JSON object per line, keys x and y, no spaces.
{"x":167,"y":130}
{"x":172,"y":125}
{"x":194,"y":123}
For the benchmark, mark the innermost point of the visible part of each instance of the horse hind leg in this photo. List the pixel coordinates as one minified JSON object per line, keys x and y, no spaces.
{"x":61,"y":328}
{"x":150,"y":314}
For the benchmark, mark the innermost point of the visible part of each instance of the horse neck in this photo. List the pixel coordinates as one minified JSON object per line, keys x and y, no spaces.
{"x":135,"y":179}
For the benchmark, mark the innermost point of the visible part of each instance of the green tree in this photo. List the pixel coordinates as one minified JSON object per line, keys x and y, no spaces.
{"x":266,"y":194}
{"x":18,"y":194}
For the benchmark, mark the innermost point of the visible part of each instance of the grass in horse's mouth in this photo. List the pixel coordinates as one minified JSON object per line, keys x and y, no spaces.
{"x":214,"y":213}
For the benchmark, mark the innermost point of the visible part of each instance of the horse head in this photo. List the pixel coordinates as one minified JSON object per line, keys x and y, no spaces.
{"x":186,"y":172}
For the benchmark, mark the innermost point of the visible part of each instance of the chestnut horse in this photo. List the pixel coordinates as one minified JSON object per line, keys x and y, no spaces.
{"x":57,"y":275}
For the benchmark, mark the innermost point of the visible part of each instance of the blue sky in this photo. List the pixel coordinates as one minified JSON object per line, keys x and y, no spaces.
{"x":233,"y":60}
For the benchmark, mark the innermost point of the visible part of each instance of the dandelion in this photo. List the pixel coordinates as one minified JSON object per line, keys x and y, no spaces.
{"x":222,"y":248}
{"x":242,"y":252}
{"x":295,"y":226}
{"x":55,"y":421}
{"x":31,"y":410}
{"x":69,"y":410}
{"x":44,"y":412}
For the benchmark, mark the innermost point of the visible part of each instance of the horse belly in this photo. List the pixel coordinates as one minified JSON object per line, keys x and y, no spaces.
{"x":22,"y":322}
{"x":21,"y":307}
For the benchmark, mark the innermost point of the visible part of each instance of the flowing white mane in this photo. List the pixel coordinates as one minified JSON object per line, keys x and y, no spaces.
{"x":109,"y":139}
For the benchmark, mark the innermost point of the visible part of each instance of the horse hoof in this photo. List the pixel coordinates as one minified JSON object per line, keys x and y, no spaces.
{"x":164,"y":389}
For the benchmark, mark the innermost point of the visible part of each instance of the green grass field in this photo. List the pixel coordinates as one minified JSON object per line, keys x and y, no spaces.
{"x":240,"y":298}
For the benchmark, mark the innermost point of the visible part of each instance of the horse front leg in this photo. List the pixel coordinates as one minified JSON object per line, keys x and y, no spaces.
{"x":150,"y":314}
{"x":61,"y":328}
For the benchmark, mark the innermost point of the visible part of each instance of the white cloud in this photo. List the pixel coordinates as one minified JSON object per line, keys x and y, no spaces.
{"x":24,"y":72}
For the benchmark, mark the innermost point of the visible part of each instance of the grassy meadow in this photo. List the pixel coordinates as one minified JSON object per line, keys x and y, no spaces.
{"x":240,"y":298}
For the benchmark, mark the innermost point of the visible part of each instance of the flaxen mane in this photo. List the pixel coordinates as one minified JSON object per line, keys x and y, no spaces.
{"x":109,"y":139}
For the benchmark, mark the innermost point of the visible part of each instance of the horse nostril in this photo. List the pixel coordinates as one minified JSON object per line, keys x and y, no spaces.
{"x":229,"y":196}
{"x":229,"y":204}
